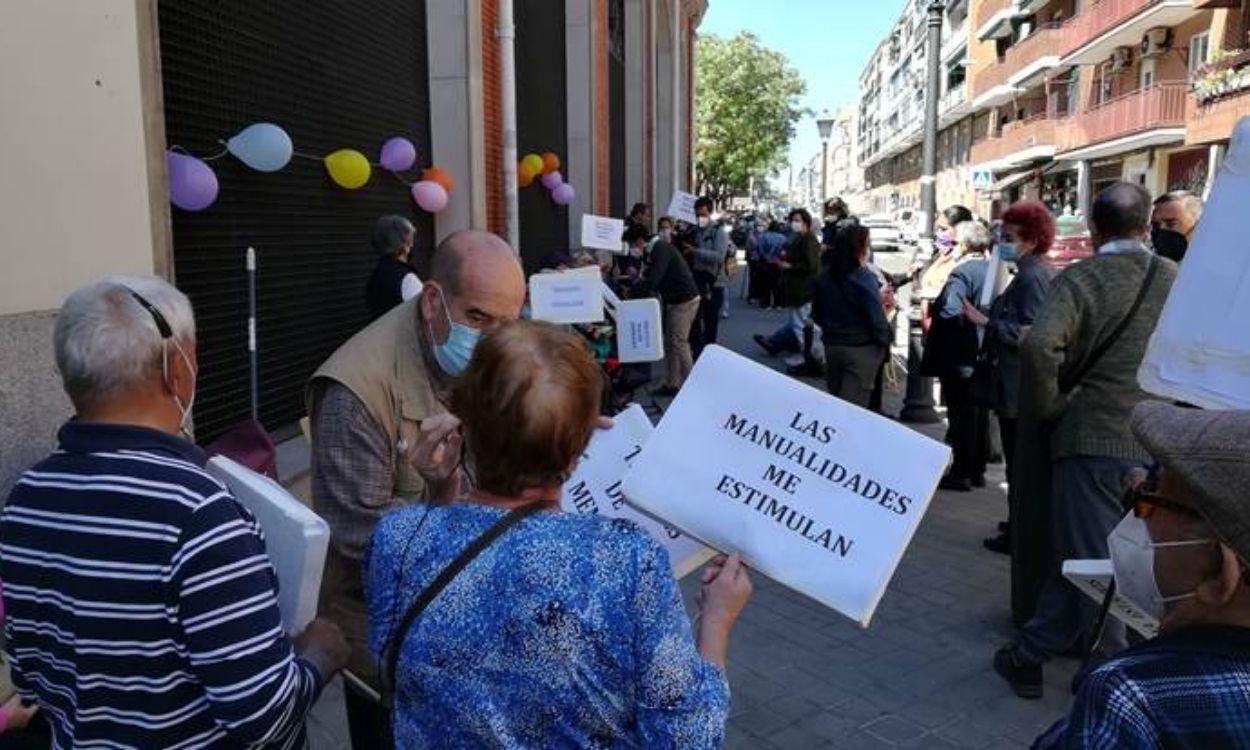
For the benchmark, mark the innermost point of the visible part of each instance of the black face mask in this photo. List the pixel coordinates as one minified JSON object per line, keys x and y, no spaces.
{"x":1169,"y":243}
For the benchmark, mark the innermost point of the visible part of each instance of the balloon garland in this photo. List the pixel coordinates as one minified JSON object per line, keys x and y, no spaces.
{"x":546,"y":169}
{"x":266,"y":147}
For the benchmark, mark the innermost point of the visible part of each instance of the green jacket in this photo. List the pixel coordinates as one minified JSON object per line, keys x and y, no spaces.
{"x":803,"y":255}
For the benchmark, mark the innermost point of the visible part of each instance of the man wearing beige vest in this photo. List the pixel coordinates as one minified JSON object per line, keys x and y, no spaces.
{"x":367,"y":404}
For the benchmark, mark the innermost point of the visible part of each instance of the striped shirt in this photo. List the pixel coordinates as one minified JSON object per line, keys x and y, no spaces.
{"x":141,"y":605}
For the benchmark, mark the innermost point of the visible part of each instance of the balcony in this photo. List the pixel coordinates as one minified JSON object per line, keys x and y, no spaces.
{"x":1019,"y":142}
{"x":996,"y":17}
{"x":1221,"y":97}
{"x":990,"y":84}
{"x":1091,"y":36}
{"x":1033,"y":55}
{"x":1149,"y":117}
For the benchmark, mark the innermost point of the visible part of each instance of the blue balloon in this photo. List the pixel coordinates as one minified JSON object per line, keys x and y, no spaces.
{"x":263,"y":146}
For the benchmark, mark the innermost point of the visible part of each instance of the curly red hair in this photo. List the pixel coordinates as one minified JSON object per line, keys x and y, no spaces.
{"x":1034,"y":223}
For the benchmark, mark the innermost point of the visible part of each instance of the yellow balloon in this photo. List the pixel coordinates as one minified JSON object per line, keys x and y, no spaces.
{"x":534,"y":162}
{"x":348,"y":168}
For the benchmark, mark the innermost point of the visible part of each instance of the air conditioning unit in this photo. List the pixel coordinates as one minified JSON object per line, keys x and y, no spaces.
{"x":1156,"y":42}
{"x":1120,"y":60}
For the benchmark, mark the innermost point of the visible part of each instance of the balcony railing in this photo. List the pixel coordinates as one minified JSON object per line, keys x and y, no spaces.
{"x":1098,"y":18}
{"x":989,"y":8}
{"x":1160,"y":106}
{"x":990,"y":77}
{"x":1019,"y":136}
{"x":1045,"y":41}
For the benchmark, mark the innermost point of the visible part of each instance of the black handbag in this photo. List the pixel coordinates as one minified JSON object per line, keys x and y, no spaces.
{"x":390,"y":654}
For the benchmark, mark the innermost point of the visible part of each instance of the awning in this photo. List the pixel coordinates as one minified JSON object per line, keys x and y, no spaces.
{"x":1013,"y":179}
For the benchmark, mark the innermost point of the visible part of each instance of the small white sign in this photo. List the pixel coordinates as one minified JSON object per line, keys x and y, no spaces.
{"x":1093,"y":577}
{"x":602,"y":232}
{"x":982,"y":179}
{"x":567,"y":296}
{"x":596,"y":487}
{"x":681,"y":207}
{"x":639,"y":337}
{"x":296,"y":539}
{"x":815,"y":493}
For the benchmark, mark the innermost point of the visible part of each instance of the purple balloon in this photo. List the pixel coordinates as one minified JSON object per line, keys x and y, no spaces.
{"x":552,"y":180}
{"x":563,"y":194}
{"x":398,"y":154}
{"x":192,"y":183}
{"x":430,"y":196}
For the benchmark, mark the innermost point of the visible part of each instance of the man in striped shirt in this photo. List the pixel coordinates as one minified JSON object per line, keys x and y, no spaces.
{"x":141,"y":604}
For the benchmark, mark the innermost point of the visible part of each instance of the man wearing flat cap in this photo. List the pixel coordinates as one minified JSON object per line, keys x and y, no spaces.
{"x":1182,"y":554}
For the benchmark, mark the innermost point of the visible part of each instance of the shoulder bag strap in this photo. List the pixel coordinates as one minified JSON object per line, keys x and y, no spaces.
{"x":1069,"y":384}
{"x":390,"y":655}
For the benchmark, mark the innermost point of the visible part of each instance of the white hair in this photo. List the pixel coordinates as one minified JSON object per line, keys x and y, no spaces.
{"x":974,"y":236}
{"x":108,"y":343}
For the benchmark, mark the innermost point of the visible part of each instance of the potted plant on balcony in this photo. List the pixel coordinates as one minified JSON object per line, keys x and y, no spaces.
{"x":1227,"y":73}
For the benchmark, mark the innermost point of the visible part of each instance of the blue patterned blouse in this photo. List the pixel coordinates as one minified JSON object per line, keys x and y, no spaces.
{"x":568,"y":632}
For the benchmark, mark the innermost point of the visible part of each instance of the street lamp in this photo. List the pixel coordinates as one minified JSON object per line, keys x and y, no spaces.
{"x":918,"y":404}
{"x":824,"y":124}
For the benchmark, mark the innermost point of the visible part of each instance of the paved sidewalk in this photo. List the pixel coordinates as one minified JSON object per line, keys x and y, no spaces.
{"x":804,"y":677}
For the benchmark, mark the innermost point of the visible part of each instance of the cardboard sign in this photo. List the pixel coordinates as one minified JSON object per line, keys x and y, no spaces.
{"x":815,"y":493}
{"x":1200,"y":353}
{"x":568,"y":296}
{"x":602,"y":232}
{"x":596,"y":487}
{"x":296,"y":539}
{"x":639,"y":336}
{"x":1093,"y":577}
{"x":681,"y":207}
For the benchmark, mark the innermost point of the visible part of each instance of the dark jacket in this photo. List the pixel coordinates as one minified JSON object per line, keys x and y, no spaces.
{"x":803,"y":255}
{"x":666,"y":275}
{"x":849,"y":310}
{"x":1010,"y":318}
{"x":385,"y":287}
{"x":952,"y":346}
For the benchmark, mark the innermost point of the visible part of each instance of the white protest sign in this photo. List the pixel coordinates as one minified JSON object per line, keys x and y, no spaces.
{"x":1200,"y":353}
{"x":815,"y":493}
{"x":681,"y":207}
{"x":602,"y":232}
{"x":639,"y":337}
{"x":296,"y":539}
{"x":1093,"y":577}
{"x":596,"y":487}
{"x":567,"y":296}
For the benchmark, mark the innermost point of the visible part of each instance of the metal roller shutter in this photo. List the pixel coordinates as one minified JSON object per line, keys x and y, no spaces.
{"x":542,"y":122}
{"x":334,"y":75}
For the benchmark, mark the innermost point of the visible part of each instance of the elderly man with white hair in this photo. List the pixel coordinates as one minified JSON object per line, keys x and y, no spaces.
{"x":141,"y":606}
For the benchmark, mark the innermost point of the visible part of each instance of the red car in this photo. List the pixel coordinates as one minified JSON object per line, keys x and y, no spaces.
{"x":1072,"y":243}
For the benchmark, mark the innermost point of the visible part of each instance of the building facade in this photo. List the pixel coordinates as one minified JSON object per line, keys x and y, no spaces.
{"x":1053,"y":99}
{"x":604,"y":84}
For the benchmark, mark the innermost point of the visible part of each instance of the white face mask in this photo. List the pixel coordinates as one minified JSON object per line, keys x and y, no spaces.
{"x":1133,"y":562}
{"x":184,"y":426}
{"x":798,"y":227}
{"x":704,"y":221}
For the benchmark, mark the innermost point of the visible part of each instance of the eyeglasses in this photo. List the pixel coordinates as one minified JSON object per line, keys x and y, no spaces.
{"x":162,"y":325}
{"x":1144,"y":500}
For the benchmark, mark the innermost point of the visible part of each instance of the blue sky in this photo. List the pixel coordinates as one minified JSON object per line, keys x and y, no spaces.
{"x":828,"y":41}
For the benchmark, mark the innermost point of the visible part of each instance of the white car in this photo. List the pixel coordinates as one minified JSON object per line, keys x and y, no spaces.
{"x":890,"y":252}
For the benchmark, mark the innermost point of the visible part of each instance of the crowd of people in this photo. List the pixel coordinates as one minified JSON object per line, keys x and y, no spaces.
{"x":465,"y":610}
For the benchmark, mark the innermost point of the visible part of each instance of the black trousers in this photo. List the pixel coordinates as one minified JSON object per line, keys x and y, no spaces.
{"x":967,"y":432}
{"x":707,"y":323}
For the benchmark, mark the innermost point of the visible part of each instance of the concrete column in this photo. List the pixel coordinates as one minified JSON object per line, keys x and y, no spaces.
{"x":634,"y":98}
{"x":1083,"y":187}
{"x":580,"y":75}
{"x":1215,"y":158}
{"x":455,"y":54}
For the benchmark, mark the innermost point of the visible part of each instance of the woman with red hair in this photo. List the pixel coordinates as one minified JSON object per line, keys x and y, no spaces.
{"x":1028,"y":232}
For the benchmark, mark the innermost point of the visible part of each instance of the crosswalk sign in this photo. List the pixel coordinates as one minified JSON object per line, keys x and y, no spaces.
{"x":982,"y":179}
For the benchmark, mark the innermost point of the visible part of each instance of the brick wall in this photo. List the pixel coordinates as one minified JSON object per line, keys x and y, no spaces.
{"x":492,"y":117}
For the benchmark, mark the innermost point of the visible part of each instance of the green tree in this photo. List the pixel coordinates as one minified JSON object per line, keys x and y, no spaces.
{"x":747,"y":103}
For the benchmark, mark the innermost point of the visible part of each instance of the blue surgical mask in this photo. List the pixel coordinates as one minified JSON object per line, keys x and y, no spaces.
{"x":453,"y":355}
{"x":1008,"y":252}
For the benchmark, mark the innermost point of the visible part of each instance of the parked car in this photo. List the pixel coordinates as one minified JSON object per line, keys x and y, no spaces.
{"x":1072,"y":243}
{"x":890,"y":253}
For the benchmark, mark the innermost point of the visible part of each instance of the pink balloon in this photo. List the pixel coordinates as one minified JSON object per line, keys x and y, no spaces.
{"x":552,"y":180}
{"x":430,"y":196}
{"x":398,"y":154}
{"x":192,"y":183}
{"x":563,"y":194}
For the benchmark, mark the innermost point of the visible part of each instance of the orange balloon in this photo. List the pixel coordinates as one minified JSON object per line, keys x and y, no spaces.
{"x":551,"y":162}
{"x":439,"y":175}
{"x":525,"y":175}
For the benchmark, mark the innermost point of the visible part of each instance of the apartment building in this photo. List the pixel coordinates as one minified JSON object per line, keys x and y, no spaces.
{"x":1072,"y":95}
{"x":1053,"y":99}
{"x":604,"y":84}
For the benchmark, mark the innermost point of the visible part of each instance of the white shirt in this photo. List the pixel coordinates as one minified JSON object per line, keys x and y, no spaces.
{"x":1117,"y":247}
{"x":410,"y":287}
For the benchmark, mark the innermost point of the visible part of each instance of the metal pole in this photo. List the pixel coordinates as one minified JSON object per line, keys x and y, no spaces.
{"x":918,"y":404}
{"x":505,"y":32}
{"x":824,"y":169}
{"x":252,"y":354}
